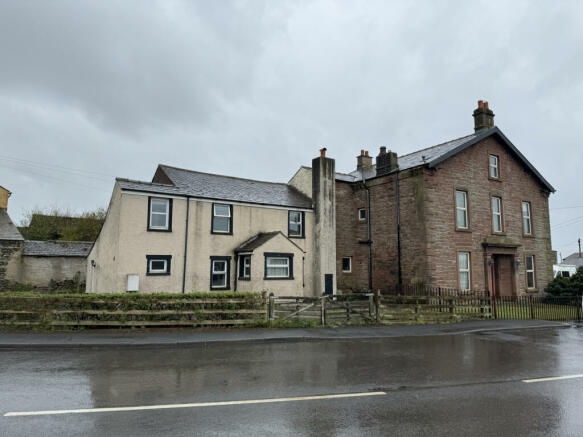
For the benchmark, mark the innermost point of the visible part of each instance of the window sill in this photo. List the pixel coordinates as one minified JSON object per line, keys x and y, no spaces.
{"x":220,"y":288}
{"x":159,"y":230}
{"x":265,"y":278}
{"x":157,"y":274}
{"x":503,"y":234}
{"x":494,"y":179}
{"x":221,"y":233}
{"x":531,"y":290}
{"x":296,"y":236}
{"x":463,"y":230}
{"x":528,"y":236}
{"x":346,"y":271}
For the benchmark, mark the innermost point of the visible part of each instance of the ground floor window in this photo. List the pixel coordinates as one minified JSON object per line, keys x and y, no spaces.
{"x":158,"y":265}
{"x":530,"y":277}
{"x":278,"y":266}
{"x":346,"y":264}
{"x":245,"y":267}
{"x":464,"y":270}
{"x":220,"y":272}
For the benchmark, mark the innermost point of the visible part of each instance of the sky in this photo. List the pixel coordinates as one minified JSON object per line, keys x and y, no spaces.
{"x":97,"y":89}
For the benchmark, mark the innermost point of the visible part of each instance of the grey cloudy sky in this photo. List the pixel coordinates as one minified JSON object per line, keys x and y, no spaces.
{"x":96,"y":89}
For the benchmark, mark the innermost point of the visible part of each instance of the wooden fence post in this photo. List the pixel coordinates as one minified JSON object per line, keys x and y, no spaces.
{"x":377,"y":305}
{"x":271,"y":307}
{"x":578,"y":303}
{"x":370,"y":305}
{"x":323,"y":310}
{"x":531,"y":307}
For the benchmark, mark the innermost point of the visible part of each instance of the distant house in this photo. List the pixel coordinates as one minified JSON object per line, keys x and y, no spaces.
{"x":41,"y":264}
{"x":568,"y":267}
{"x":190,"y":231}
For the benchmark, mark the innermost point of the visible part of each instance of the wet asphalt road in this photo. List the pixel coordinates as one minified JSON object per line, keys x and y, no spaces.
{"x":468,"y":384}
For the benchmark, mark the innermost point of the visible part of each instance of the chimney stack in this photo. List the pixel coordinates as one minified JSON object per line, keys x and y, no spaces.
{"x":386,"y":162}
{"x":483,"y":116}
{"x":324,"y":225}
{"x":4,"y":195}
{"x":363,"y":161}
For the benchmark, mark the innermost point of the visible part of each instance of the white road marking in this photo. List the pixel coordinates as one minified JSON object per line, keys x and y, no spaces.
{"x":553,"y":378}
{"x":194,"y":405}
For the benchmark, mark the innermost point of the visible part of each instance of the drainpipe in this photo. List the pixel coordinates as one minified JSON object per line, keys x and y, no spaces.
{"x":369,"y":239}
{"x":236,"y":270}
{"x":398,"y":196}
{"x":185,"y":244}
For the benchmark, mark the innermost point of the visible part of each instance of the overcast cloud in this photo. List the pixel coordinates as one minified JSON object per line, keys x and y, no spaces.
{"x":254,"y":89}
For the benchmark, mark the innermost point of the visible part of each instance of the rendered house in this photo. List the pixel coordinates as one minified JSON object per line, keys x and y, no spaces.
{"x":470,"y":214}
{"x":189,"y":231}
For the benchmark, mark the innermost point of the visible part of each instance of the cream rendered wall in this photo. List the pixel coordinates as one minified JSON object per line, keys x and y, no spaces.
{"x":302,"y":181}
{"x":247,"y":222}
{"x":124,"y":242}
{"x":103,"y":278}
{"x":279,"y":287}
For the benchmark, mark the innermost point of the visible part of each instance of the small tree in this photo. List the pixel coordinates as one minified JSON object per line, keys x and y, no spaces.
{"x":572,"y":286}
{"x":58,"y":224}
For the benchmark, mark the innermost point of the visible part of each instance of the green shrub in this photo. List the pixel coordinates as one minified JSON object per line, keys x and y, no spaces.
{"x":572,"y":286}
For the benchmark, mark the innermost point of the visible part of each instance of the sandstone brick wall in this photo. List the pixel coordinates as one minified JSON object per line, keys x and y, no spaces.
{"x":468,"y":170}
{"x":429,"y":240}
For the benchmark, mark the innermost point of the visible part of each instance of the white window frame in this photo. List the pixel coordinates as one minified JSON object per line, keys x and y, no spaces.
{"x":228,"y":231}
{"x":219,"y":272}
{"x":246,"y":265}
{"x":301,"y":223}
{"x":526,"y":219}
{"x":497,"y":214}
{"x":360,"y":217}
{"x":464,"y":270}
{"x":349,"y":258}
{"x":157,"y":271}
{"x":279,"y":266}
{"x":530,"y":272}
{"x":494,"y":167}
{"x":166,"y":213}
{"x":464,"y":209}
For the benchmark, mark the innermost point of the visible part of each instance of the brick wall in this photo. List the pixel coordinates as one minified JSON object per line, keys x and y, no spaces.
{"x":429,"y":240}
{"x":468,"y":170}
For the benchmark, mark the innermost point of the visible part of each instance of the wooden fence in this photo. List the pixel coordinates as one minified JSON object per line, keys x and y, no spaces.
{"x":131,"y":311}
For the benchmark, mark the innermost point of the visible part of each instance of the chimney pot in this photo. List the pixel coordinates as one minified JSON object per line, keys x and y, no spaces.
{"x":323,"y":152}
{"x":483,"y":116}
{"x":480,"y":103}
{"x":486,"y":105}
{"x":366,"y":153}
{"x":383,"y":150}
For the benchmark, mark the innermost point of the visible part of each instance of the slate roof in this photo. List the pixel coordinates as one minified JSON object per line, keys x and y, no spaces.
{"x":256,"y":241}
{"x":217,"y":187}
{"x":573,"y":260}
{"x":7,"y":229}
{"x":432,"y":156}
{"x":260,"y":239}
{"x":57,"y":248}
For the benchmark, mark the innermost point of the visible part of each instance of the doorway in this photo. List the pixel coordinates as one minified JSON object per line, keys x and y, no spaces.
{"x":503,"y":275}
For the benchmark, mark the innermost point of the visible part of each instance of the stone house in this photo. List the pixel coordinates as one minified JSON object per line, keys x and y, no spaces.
{"x":39,"y":264}
{"x":188,"y":231}
{"x":471,"y":214}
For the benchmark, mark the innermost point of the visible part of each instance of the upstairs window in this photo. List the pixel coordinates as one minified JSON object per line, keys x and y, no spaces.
{"x":526,"y":222}
{"x":530,"y":278}
{"x":496,"y":214}
{"x":278,"y":266}
{"x":245,"y":267}
{"x":461,"y":207}
{"x":222,"y":219}
{"x":158,"y":265}
{"x":346,"y":264}
{"x":362,"y":214}
{"x":220,"y":272}
{"x":295,"y":227}
{"x":494,"y":167}
{"x":464,"y":270}
{"x":159,"y":214}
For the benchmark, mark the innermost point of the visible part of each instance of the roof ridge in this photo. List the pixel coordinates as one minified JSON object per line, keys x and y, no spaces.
{"x":221,"y":175}
{"x":436,"y":145}
{"x":143,"y":182}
